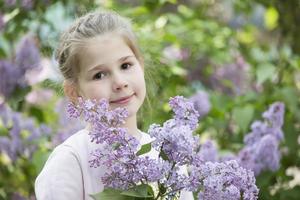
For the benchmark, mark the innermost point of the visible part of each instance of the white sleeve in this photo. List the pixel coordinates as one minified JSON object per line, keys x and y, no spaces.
{"x":185,"y":195}
{"x":61,"y":177}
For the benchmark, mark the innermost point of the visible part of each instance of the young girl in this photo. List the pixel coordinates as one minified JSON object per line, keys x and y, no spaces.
{"x":99,"y":58}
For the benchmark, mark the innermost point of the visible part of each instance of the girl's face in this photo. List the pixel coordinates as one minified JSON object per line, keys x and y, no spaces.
{"x":110,"y":70}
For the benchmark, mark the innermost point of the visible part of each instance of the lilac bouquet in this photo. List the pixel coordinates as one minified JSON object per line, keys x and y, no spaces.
{"x":179,"y":167}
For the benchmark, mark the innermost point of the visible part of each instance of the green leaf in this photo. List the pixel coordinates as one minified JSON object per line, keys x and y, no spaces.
{"x":163,"y":155}
{"x":162,"y":188}
{"x":141,"y":191}
{"x":243,"y":116}
{"x":271,"y":18}
{"x":178,"y":70}
{"x":3,"y":130}
{"x":167,"y":1}
{"x":37,"y":113}
{"x":264,"y":72}
{"x":4,"y":47}
{"x":185,"y":11}
{"x":161,"y":22}
{"x":39,"y":158}
{"x":138,"y":11}
{"x":116,"y":145}
{"x":138,"y":191}
{"x":18,"y":96}
{"x":144,"y":149}
{"x":109,"y":194}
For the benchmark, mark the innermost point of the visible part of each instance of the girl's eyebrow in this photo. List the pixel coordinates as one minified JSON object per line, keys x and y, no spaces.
{"x":100,"y":66}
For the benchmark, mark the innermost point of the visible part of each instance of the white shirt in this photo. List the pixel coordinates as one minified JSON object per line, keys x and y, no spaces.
{"x":67,"y":174}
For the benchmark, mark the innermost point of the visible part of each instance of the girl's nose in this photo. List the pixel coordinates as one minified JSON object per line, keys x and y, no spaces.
{"x":119,"y":83}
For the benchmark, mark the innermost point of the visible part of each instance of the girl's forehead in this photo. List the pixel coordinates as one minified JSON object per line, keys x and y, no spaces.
{"x":105,"y":43}
{"x":103,"y":50}
{"x":107,"y":47}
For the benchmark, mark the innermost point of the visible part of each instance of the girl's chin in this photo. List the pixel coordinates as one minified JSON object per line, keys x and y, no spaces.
{"x":131,"y":111}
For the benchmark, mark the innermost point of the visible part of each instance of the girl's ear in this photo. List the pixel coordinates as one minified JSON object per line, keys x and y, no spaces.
{"x":70,"y":90}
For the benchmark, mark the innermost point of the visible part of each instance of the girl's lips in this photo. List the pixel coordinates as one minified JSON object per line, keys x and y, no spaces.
{"x":123,"y":100}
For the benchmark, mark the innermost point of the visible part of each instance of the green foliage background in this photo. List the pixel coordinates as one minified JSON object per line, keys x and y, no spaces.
{"x":209,"y":30}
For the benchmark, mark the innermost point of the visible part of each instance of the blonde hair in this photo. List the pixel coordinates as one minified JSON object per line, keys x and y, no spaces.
{"x":88,"y":26}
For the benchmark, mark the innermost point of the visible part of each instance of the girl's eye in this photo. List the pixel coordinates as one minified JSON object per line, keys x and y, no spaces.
{"x":126,"y":65}
{"x":98,"y":76}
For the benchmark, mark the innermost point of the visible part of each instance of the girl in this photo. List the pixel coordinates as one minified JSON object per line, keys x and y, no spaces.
{"x":99,"y":58}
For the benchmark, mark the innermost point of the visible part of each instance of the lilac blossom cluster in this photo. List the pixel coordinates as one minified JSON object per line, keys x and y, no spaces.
{"x":10,"y":77}
{"x":177,"y":148}
{"x":12,"y":73}
{"x":261,"y":150}
{"x":185,"y":113}
{"x":201,"y":103}
{"x":21,"y":134}
{"x":218,"y":180}
{"x":27,"y":54}
{"x":118,"y":148}
{"x":232,"y":78}
{"x":227,"y":180}
{"x":207,"y":152}
{"x":26,"y":4}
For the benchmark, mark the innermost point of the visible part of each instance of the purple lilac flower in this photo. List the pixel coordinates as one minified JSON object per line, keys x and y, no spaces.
{"x":201,"y":103}
{"x":176,"y":141}
{"x":208,"y":152}
{"x":94,"y":111}
{"x":27,"y":54}
{"x":258,"y":130}
{"x":10,"y":3}
{"x":117,"y":152}
{"x":125,"y":169}
{"x":10,"y":78}
{"x":233,"y":78}
{"x":117,"y":149}
{"x":12,"y":74}
{"x":175,"y":137}
{"x":185,"y":112}
{"x":131,"y":171}
{"x":22,"y":134}
{"x":27,"y":4}
{"x":226,"y":180}
{"x":176,"y":182}
{"x":275,"y":114}
{"x":262,"y":143}
{"x":17,"y":196}
{"x":153,"y":170}
{"x":261,"y":156}
{"x":267,"y":153}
